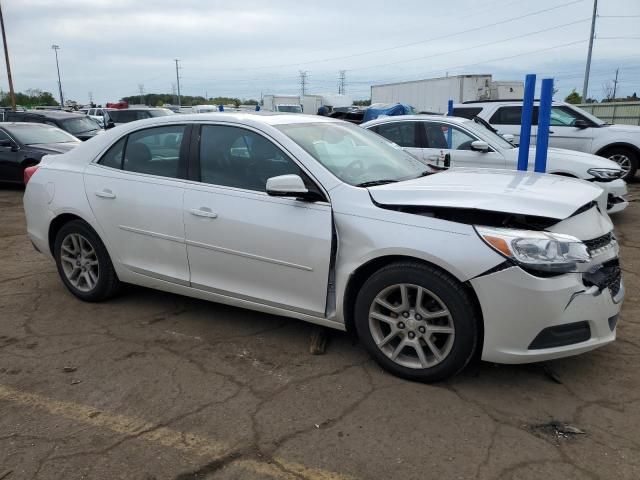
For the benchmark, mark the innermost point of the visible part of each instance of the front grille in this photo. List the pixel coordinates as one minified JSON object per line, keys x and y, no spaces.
{"x":600,"y":242}
{"x":609,"y":275}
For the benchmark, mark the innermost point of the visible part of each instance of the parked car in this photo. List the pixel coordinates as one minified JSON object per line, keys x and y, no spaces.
{"x":475,"y":145}
{"x":77,"y":124}
{"x":323,"y":221}
{"x":571,"y":128}
{"x":22,"y":145}
{"x":115,"y":116}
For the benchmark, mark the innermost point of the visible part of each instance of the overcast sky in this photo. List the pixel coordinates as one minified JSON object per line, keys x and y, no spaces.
{"x":243,"y":48}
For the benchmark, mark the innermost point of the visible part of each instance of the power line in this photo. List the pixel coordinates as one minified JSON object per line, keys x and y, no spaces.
{"x":404,"y":45}
{"x":464,"y":49}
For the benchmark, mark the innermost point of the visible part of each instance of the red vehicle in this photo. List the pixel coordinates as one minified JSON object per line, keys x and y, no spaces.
{"x":120,"y":105}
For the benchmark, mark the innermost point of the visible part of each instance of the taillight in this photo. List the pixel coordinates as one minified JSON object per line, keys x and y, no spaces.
{"x":28,"y":173}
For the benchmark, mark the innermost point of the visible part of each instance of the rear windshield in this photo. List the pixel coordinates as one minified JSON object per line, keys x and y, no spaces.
{"x":33,"y":134}
{"x":79,"y":125}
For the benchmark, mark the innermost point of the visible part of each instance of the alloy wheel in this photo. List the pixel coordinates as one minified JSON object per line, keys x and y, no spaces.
{"x":411,"y":326}
{"x":623,"y":160}
{"x":79,"y":262}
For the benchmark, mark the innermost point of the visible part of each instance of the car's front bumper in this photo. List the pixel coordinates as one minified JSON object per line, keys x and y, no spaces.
{"x":517,"y":307}
{"x":616,"y":195}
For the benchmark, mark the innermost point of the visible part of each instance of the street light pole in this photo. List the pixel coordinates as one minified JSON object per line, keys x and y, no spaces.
{"x":585,"y":87}
{"x":55,"y":48}
{"x":6,"y":57}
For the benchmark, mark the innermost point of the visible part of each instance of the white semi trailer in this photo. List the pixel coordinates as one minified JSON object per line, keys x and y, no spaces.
{"x":432,"y":94}
{"x":312,"y":103}
{"x":282,"y":103}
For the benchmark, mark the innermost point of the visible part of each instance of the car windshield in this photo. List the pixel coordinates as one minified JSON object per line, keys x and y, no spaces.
{"x":290,"y":108}
{"x":487,"y":135}
{"x":32,"y":134}
{"x":79,"y":125}
{"x":160,"y":112}
{"x":354,"y":155}
{"x":584,"y":113}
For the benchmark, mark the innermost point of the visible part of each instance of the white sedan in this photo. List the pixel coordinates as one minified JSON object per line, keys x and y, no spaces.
{"x":474,"y":144}
{"x":320,"y":220}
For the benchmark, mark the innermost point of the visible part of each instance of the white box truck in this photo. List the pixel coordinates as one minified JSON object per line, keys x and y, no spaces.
{"x":282,"y":103}
{"x":311,"y":103}
{"x":432,"y":94}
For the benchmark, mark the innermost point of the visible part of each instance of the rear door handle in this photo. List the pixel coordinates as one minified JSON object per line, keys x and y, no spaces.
{"x":106,"y":193}
{"x":203,"y":212}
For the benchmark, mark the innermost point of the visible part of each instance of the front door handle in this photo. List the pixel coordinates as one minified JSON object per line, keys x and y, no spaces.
{"x":106,"y":193}
{"x":203,"y":212}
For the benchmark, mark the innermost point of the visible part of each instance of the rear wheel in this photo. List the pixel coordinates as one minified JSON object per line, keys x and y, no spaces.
{"x":416,"y":321}
{"x":83,"y":263}
{"x":626,"y":158}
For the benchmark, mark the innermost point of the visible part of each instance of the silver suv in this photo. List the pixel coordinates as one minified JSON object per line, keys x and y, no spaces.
{"x":571,"y":128}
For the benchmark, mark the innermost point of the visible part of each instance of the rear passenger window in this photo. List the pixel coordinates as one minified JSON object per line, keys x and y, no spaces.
{"x":155,"y":151}
{"x":466,"y":112}
{"x":400,"y":133}
{"x":113,"y":157}
{"x":511,"y":116}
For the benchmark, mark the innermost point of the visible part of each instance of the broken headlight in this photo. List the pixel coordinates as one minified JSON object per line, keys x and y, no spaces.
{"x":605,"y":174}
{"x":546,"y":251}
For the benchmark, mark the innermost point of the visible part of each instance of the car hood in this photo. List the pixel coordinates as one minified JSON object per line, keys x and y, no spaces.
{"x":623,"y":128}
{"x":560,"y":159}
{"x":523,"y":193}
{"x":54,"y":147}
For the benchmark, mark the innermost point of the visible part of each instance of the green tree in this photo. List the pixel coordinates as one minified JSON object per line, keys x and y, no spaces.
{"x":362,"y":103}
{"x":574,"y":97}
{"x":31,"y":97}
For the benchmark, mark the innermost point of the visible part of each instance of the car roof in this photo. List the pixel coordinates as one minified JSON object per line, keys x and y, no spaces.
{"x":268,"y":118}
{"x":25,"y":125}
{"x":398,"y":118}
{"x":472,"y":103}
{"x":52,"y":114}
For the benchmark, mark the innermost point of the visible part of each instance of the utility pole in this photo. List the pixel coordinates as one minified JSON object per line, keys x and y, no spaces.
{"x":141,"y":91}
{"x":585,"y":88}
{"x":173,"y":93}
{"x":12,"y":94}
{"x":303,"y":82}
{"x":178,"y":81}
{"x":615,"y":85}
{"x":342,"y":82}
{"x":55,"y":48}
{"x":91,"y":98}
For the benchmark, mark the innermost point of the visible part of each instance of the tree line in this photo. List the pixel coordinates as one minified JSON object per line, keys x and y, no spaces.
{"x":159,"y":99}
{"x":29,"y":98}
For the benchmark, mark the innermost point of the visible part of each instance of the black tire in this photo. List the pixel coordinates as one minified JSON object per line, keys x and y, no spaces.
{"x":613,"y":152}
{"x":450,"y":292}
{"x":107,"y":284}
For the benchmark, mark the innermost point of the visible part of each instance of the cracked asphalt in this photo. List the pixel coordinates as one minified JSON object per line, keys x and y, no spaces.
{"x":156,"y":386}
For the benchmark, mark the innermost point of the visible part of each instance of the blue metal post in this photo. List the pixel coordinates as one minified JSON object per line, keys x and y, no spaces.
{"x":544,"y":121}
{"x":221,"y":108}
{"x":525,"y":121}
{"x":449,"y":130}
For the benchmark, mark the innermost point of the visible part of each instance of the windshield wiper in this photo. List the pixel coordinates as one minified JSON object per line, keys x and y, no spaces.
{"x":373,"y":183}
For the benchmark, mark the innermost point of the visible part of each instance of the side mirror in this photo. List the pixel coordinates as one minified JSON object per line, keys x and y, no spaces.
{"x":509,"y":137}
{"x":479,"y":146}
{"x":581,"y":124}
{"x":6,"y":143}
{"x":109,"y":125}
{"x":287,"y":186}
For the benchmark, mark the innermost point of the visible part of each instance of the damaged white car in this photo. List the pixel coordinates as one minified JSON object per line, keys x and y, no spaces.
{"x":323,"y":221}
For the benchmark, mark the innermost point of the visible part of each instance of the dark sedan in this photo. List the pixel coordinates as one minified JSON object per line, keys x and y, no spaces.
{"x":24,"y":144}
{"x":79,"y":125}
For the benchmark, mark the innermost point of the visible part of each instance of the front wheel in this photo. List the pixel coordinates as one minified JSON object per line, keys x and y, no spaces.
{"x":626,"y":158}
{"x":416,"y":322}
{"x":83,"y":262}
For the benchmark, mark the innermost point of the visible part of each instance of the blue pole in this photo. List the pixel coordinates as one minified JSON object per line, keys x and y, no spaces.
{"x":525,"y":121}
{"x":449,"y":130}
{"x":544,"y":121}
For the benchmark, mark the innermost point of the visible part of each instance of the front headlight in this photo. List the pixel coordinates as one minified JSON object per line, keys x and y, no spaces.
{"x":546,"y":251}
{"x":605,"y":174}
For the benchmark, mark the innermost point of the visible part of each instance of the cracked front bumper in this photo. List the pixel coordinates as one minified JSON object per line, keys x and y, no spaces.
{"x":616,"y":195}
{"x":518,"y":306}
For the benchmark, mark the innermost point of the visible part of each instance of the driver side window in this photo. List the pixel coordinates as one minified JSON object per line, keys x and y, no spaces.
{"x":239,"y":158}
